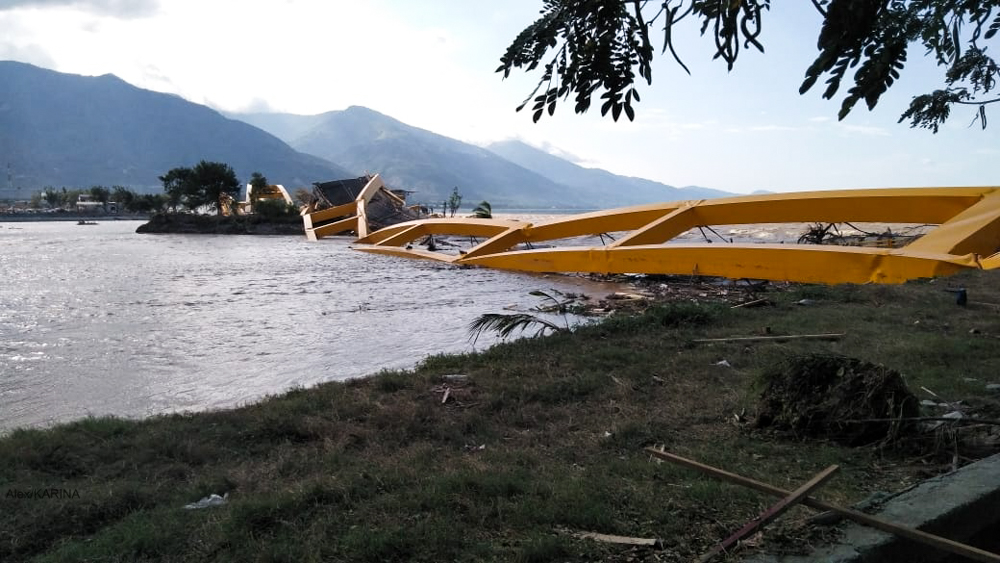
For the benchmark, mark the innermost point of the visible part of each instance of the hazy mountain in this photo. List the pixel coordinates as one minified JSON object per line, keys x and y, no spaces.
{"x":410,"y":158}
{"x":594,"y":180}
{"x":506,"y":174}
{"x":67,"y":130}
{"x":285,"y":126}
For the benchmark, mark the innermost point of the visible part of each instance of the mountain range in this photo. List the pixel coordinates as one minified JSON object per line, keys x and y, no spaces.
{"x":66,"y":130}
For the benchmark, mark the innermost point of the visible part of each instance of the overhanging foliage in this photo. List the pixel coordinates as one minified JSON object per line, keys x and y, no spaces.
{"x":600,"y":46}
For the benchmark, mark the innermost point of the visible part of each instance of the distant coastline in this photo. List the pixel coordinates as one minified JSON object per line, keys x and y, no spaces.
{"x":26,"y":217}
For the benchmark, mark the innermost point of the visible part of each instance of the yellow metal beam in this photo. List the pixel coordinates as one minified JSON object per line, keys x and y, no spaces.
{"x":499,"y":243}
{"x":665,"y":228}
{"x":330,"y":229}
{"x":969,"y":230}
{"x":370,"y":188}
{"x":362,"y":228}
{"x":408,"y":234}
{"x":312,"y":219}
{"x":411,"y":253}
{"x":613,"y":220}
{"x":814,"y":264}
{"x":976,"y":229}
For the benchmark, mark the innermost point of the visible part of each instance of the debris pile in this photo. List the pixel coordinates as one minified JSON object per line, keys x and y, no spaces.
{"x":843,"y":399}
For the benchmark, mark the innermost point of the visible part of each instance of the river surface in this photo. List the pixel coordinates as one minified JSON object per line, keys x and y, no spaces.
{"x":98,"y":320}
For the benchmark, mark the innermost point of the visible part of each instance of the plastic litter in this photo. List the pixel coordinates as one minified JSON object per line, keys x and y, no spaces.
{"x":211,"y":500}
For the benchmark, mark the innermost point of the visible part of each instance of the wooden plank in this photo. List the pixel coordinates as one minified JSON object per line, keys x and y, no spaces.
{"x":830,"y":336}
{"x":753,"y":303}
{"x":622,"y":540}
{"x":919,"y":536}
{"x":771,"y":513}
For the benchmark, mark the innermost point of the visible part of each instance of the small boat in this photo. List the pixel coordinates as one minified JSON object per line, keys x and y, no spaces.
{"x":82,"y":222}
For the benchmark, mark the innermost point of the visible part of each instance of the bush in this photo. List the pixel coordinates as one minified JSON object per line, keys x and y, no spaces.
{"x":274,"y":209}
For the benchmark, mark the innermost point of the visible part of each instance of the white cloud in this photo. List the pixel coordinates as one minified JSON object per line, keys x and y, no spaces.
{"x":772,"y":128}
{"x":125,"y":9}
{"x":864,"y":130}
{"x":31,"y":53}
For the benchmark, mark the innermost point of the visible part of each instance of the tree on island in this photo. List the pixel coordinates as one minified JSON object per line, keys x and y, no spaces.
{"x":454,"y":201}
{"x":201,"y":186}
{"x":600,"y":45}
{"x":258,"y":185}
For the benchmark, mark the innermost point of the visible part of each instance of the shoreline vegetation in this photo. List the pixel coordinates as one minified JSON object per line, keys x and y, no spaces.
{"x":192,"y":223}
{"x":511,"y":453}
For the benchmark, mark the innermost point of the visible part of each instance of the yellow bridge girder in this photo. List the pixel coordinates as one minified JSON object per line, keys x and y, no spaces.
{"x":967,"y":236}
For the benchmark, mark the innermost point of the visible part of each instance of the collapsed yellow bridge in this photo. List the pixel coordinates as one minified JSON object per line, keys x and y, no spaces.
{"x":967,"y":235}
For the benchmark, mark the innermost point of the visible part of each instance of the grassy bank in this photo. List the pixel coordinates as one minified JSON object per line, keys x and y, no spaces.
{"x":542,"y":439}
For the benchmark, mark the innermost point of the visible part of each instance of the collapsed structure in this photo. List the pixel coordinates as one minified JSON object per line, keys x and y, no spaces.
{"x":358,"y":205}
{"x":967,"y":236}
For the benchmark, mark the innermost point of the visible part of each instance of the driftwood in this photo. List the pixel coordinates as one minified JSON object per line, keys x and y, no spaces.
{"x":753,"y":303}
{"x":623,"y":540}
{"x":830,"y":336}
{"x":943,"y":544}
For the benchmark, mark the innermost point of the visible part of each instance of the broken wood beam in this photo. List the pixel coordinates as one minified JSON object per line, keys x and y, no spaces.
{"x":829,"y":336}
{"x":623,"y":540}
{"x":771,"y":513}
{"x":922,"y":537}
{"x":753,"y":303}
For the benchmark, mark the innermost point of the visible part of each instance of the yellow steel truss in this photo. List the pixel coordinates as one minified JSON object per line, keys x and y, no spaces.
{"x":967,"y":236}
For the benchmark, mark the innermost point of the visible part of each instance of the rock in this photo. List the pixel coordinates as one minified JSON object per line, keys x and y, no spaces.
{"x":209,"y":501}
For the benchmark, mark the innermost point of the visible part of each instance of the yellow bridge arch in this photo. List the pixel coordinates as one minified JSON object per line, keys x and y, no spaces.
{"x":967,"y":235}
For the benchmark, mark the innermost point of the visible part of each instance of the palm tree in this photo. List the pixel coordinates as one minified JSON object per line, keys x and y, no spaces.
{"x":483,"y":210}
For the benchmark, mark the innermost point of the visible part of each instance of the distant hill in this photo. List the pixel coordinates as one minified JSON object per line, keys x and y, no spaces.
{"x":67,"y":130}
{"x":431,"y":165}
{"x":410,"y":158}
{"x":595,"y":181}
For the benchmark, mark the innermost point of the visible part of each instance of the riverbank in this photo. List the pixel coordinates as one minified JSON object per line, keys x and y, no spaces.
{"x":505,"y":455}
{"x":191,"y":223}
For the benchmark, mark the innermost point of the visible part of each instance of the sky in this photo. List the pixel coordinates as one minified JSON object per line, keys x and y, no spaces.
{"x":431,"y":64}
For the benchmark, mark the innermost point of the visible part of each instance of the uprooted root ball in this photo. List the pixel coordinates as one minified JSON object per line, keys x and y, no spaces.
{"x":837,"y":398}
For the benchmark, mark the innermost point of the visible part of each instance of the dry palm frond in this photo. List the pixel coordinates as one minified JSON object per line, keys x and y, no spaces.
{"x":505,"y":324}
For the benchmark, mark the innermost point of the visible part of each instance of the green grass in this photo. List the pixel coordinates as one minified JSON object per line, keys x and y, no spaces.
{"x":543,"y":440}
